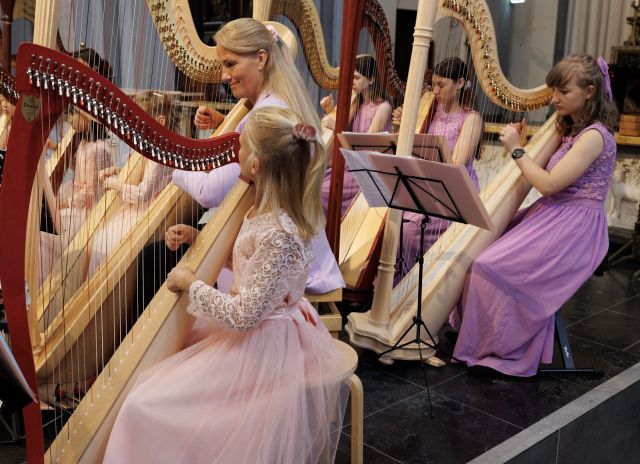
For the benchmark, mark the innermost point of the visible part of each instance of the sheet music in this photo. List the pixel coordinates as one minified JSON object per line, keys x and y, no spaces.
{"x":372,"y":187}
{"x":425,"y":146}
{"x":410,"y":184}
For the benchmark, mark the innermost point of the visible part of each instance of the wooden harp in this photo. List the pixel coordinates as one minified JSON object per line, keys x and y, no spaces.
{"x":155,"y":335}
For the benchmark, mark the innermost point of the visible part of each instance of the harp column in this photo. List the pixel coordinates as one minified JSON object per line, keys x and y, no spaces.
{"x":425,"y":19}
{"x":261,"y":10}
{"x":44,"y":33}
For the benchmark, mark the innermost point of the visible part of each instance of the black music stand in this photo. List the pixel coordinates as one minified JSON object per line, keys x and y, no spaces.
{"x":425,"y":187}
{"x":425,"y":146}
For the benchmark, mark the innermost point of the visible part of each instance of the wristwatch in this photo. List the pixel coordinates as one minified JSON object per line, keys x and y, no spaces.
{"x":517,"y":153}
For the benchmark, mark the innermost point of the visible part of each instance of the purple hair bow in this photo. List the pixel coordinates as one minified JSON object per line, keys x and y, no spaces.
{"x":604,"y":69}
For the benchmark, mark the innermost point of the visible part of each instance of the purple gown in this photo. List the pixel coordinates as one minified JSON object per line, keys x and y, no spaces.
{"x":361,"y":123}
{"x":514,"y":288}
{"x":449,"y":125}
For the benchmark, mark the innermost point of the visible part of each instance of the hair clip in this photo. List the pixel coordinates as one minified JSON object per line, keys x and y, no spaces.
{"x":304,"y":132}
{"x":604,"y":69}
{"x":274,"y":33}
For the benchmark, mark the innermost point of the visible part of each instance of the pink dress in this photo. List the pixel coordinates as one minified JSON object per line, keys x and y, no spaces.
{"x":136,"y":200}
{"x":80,"y":194}
{"x":259,"y":388}
{"x":449,"y":125}
{"x":361,"y":123}
{"x":514,"y":288}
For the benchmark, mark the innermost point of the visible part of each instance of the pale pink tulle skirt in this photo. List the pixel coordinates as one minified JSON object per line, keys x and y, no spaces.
{"x":268,"y":395}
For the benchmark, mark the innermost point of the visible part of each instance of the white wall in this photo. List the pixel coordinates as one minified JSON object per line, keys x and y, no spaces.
{"x":532,"y":44}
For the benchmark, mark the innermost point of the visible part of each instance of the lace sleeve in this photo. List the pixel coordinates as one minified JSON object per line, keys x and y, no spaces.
{"x":87,"y":188}
{"x":263,"y":284}
{"x":156,"y":176}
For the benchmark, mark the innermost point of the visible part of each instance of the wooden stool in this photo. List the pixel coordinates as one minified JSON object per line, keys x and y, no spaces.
{"x":347,"y":374}
{"x":325,"y":304}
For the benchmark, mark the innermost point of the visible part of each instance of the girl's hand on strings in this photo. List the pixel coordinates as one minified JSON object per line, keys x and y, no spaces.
{"x":510,"y":136}
{"x":179,"y":234}
{"x":108,"y":172}
{"x":396,"y":116}
{"x":113,"y":183}
{"x":327,"y":104}
{"x":180,"y":278}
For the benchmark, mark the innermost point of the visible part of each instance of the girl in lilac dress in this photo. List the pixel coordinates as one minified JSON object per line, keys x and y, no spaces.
{"x":261,"y":388}
{"x":514,"y":288}
{"x":371,"y":113}
{"x":461,"y":127}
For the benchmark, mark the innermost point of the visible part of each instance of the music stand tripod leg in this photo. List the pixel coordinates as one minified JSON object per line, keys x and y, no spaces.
{"x":417,"y":319}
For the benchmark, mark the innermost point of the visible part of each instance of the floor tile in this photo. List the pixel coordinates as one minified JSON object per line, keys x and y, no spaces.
{"x":588,"y":354}
{"x":521,"y":402}
{"x":630,"y":307}
{"x":634,"y":349}
{"x":370,"y":455}
{"x":381,"y":389}
{"x":456,"y":434}
{"x":612,"y":288}
{"x":575,"y":311}
{"x":609,"y":328}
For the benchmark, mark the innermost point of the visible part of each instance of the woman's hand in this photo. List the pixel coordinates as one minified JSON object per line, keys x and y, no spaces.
{"x":180,"y":278}
{"x":510,"y":136}
{"x":113,"y":183}
{"x":396,"y":116}
{"x":207,"y":118}
{"x":179,"y":234}
{"x":327,"y":104}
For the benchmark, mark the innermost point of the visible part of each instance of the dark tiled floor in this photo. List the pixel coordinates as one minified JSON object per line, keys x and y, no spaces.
{"x":471,"y":415}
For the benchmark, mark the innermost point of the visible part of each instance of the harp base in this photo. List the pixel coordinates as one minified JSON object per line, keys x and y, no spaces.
{"x":364,"y":334}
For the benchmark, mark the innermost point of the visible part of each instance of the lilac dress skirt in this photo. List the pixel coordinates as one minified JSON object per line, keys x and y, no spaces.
{"x":515,"y":286}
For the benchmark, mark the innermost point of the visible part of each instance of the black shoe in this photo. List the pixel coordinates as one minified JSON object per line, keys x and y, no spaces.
{"x":452,"y":336}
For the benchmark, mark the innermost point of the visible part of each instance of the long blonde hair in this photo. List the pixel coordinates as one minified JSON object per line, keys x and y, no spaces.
{"x":290,"y":171}
{"x":246,"y":36}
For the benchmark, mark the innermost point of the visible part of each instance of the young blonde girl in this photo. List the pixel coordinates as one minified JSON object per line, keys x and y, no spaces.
{"x":515,"y":287}
{"x":258,"y":389}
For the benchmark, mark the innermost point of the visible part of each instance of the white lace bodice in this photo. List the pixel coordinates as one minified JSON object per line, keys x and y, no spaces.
{"x":270,"y":266}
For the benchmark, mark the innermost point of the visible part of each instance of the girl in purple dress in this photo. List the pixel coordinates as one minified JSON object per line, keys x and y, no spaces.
{"x":514,"y":288}
{"x":371,"y":113}
{"x":461,"y":127}
{"x":261,"y":387}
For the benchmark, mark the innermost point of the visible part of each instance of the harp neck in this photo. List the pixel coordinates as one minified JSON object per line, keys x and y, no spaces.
{"x":478,"y":25}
